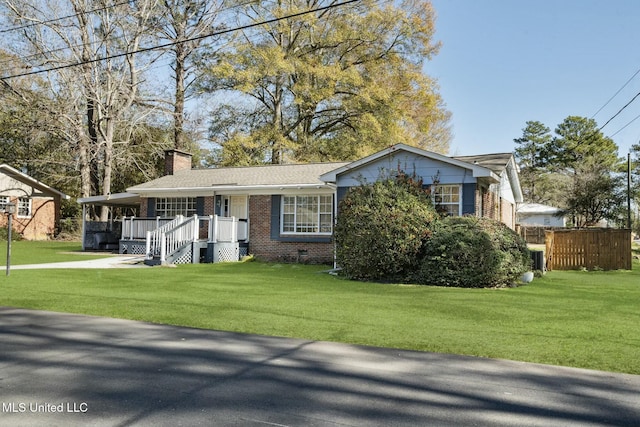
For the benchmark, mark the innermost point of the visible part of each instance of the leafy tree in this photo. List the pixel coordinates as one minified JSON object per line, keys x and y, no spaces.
{"x":578,"y":139}
{"x":334,"y":84}
{"x":91,"y":104}
{"x":184,"y":25}
{"x":598,"y":194}
{"x":531,"y":155}
{"x":576,"y":169}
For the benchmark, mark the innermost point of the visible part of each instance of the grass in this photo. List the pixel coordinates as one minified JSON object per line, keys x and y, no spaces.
{"x":29,"y":252}
{"x":581,"y":319}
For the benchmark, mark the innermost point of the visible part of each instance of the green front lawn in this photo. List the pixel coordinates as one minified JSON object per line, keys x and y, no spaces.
{"x":30,"y":252}
{"x":582,"y":319}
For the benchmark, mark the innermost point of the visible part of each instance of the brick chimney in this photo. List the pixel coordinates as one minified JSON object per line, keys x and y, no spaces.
{"x":176,"y":160}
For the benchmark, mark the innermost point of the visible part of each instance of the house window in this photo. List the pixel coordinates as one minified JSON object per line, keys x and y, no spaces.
{"x":3,"y":203}
{"x":170,"y":207}
{"x":24,"y":207}
{"x":307,"y":214}
{"x":447,"y":199}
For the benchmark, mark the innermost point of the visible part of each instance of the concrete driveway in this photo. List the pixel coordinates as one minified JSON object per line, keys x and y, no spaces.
{"x":119,"y":261}
{"x":72,"y":370}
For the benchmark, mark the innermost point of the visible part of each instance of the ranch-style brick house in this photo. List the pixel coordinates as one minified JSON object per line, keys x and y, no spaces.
{"x":37,"y":214}
{"x":286,"y":212}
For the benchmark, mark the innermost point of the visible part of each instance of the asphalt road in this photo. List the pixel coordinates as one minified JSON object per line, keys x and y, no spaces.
{"x":70,"y":370}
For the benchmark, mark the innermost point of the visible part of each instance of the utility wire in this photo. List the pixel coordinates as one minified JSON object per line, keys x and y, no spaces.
{"x":33,"y":24}
{"x":616,"y":94}
{"x":623,"y":127}
{"x":95,"y":43}
{"x":620,"y":111}
{"x":165,"y":45}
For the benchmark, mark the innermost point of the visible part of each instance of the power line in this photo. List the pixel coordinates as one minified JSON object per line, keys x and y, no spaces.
{"x":616,"y":94}
{"x":623,"y":127}
{"x":156,"y":47}
{"x":620,"y":111}
{"x":33,"y":24}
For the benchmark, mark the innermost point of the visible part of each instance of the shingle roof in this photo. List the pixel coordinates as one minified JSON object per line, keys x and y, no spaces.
{"x":249,"y":176}
{"x":496,"y":162}
{"x":23,"y":177}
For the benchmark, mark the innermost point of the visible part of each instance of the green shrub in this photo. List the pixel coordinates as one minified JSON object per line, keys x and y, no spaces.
{"x":15,"y":236}
{"x":382,"y":227}
{"x":473,"y":252}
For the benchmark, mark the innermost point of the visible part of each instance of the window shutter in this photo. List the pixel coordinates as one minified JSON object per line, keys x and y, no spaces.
{"x":275,"y":217}
{"x":469,"y":199}
{"x":151,"y":207}
{"x":200,"y":206}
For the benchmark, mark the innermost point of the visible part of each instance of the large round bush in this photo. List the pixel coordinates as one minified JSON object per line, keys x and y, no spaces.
{"x":381,"y":229}
{"x":473,"y":252}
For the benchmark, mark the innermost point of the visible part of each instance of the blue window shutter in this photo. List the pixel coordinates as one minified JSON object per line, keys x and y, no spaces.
{"x":469,"y":199}
{"x":200,"y":205}
{"x":151,"y":207}
{"x":275,"y":217}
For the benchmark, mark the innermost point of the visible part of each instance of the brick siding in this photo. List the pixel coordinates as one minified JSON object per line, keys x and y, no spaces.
{"x":42,"y":223}
{"x":263,"y":247}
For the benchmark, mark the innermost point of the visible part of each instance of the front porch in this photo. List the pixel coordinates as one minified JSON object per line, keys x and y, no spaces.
{"x":185,"y":240}
{"x":179,"y":240}
{"x":164,"y":240}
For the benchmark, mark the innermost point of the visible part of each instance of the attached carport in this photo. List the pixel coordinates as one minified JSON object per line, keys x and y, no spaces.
{"x":98,"y":235}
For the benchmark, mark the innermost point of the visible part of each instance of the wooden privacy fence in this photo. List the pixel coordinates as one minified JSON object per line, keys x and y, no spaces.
{"x":535,"y":234}
{"x":600,"y":248}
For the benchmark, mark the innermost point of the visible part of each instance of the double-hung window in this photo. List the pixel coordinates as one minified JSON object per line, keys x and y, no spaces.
{"x":3,"y":203}
{"x":24,"y":207}
{"x":169,"y":207}
{"x":446,"y":199}
{"x":308,"y":214}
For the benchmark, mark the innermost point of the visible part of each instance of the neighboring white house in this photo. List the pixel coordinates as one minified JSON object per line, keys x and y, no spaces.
{"x":535,"y":214}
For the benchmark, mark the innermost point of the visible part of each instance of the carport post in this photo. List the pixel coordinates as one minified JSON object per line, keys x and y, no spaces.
{"x":84,"y":224}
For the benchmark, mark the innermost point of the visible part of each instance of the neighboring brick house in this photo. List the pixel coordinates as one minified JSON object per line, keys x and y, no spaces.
{"x":37,"y":205}
{"x":287,"y":212}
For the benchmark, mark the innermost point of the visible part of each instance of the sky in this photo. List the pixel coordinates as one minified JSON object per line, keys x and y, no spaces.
{"x":505,"y":62}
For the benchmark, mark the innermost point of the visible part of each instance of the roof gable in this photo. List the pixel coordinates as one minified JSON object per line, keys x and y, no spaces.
{"x":477,"y":170}
{"x":30,"y":181}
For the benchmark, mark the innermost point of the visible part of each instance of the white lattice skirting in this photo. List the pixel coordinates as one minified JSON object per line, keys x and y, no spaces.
{"x":226,"y":252}
{"x":185,"y":258}
{"x":133,"y":248}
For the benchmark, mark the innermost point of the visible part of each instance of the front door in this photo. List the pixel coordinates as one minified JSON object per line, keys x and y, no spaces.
{"x":234,"y":206}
